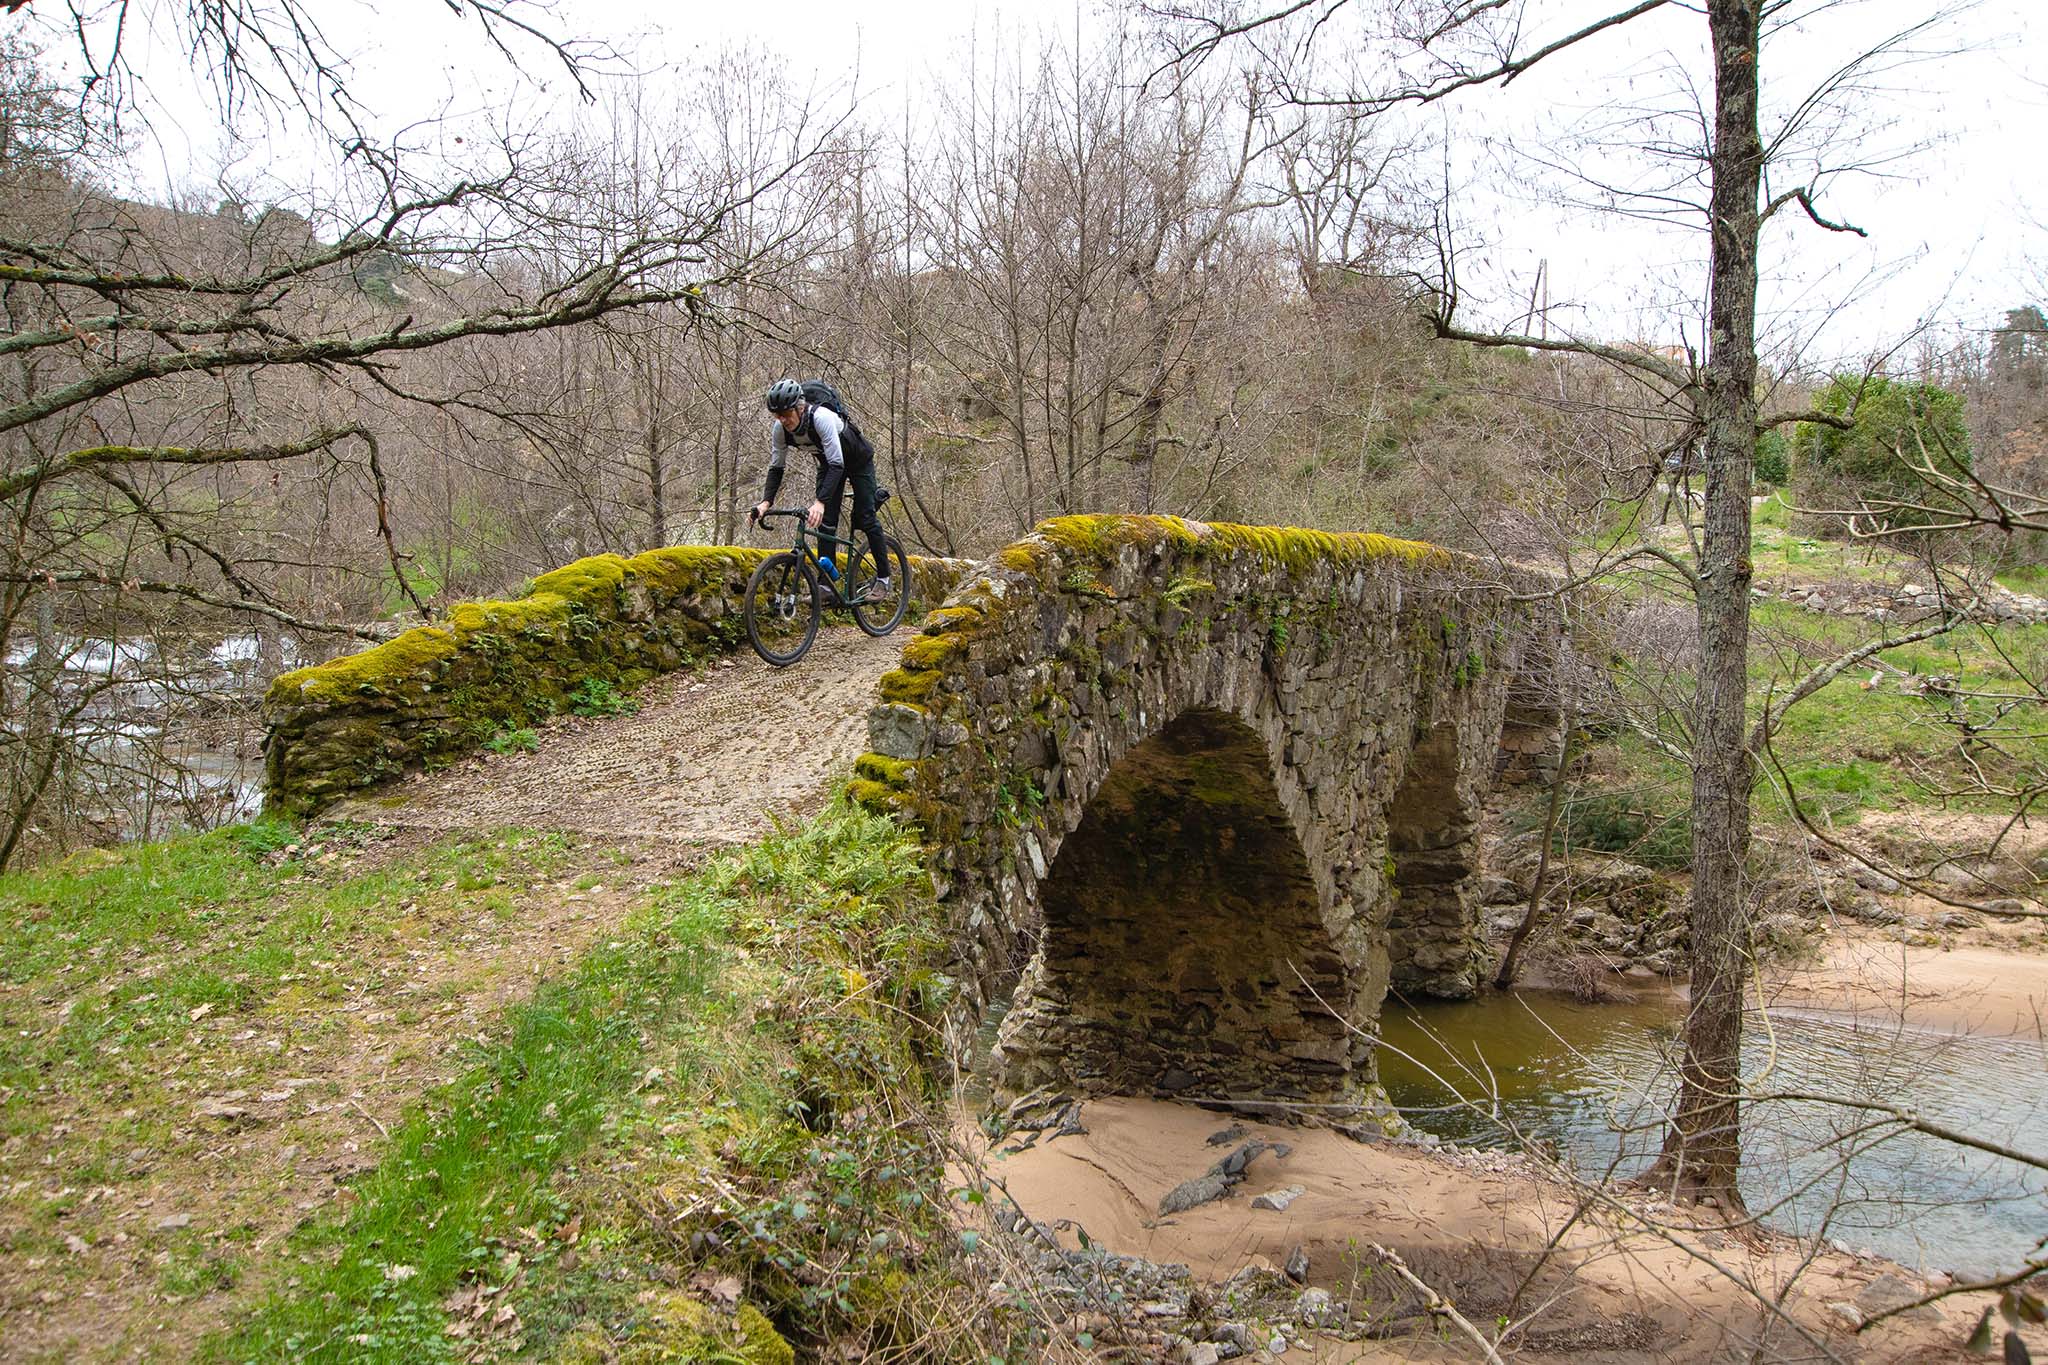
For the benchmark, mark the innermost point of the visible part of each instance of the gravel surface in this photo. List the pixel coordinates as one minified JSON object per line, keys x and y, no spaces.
{"x":708,"y":759}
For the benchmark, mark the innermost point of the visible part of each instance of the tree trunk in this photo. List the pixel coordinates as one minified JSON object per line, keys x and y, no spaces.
{"x":657,"y":464}
{"x":1702,"y":1150}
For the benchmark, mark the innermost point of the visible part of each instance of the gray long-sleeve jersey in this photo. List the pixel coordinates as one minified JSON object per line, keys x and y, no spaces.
{"x":819,"y":434}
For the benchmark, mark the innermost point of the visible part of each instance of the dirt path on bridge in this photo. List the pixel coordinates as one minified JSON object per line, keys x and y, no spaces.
{"x":706,"y":761}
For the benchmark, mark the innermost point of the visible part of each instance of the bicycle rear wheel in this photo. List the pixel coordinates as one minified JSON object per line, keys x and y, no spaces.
{"x":879,"y":610}
{"x":782,"y":608}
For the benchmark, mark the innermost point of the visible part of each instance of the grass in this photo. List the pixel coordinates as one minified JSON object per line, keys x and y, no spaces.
{"x":2025,"y":578}
{"x":1858,"y":744}
{"x":474,"y":1166}
{"x":140,"y":985}
{"x":138,"y":945}
{"x":1879,"y":737}
{"x":706,"y":1089}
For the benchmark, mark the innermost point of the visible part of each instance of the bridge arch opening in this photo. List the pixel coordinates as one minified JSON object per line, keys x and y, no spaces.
{"x":1185,"y":949}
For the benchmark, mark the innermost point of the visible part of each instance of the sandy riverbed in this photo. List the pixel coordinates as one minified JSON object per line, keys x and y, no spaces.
{"x":1494,"y":1232}
{"x":1993,"y":985}
{"x":1610,"y":1287}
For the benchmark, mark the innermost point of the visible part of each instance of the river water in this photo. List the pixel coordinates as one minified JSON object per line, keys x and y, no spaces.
{"x":1592,"y":1081}
{"x":168,"y":737}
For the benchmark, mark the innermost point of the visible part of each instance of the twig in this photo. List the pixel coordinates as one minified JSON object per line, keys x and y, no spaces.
{"x":2035,"y":1265}
{"x":1908,"y":1119}
{"x":372,"y":1118}
{"x":1436,"y":1304}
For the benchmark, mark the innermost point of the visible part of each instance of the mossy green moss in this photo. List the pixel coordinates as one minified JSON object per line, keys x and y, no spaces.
{"x":1299,"y":550}
{"x":678,"y":1330}
{"x":1098,"y":539}
{"x":1032,"y":557}
{"x":928,"y":652}
{"x":584,"y":580}
{"x":878,"y":797}
{"x":681,"y":568}
{"x":409,"y":656}
{"x":892,"y":772}
{"x":590,"y":585}
{"x":437,"y":691}
{"x":914,"y":686}
{"x":961,"y":616}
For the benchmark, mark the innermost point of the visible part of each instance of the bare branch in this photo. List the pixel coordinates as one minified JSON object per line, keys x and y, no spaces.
{"x":1618,"y":355}
{"x":1805,"y":201}
{"x":2033,"y":1266}
{"x":90,"y":578}
{"x":1826,"y":673}
{"x":1435,"y":1304}
{"x":1825,"y":419}
{"x":14,"y":485}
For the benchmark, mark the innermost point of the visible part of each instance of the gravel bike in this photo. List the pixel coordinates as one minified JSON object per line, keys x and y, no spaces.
{"x":789,"y":590}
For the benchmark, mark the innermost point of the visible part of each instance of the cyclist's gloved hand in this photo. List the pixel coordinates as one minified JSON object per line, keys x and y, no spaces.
{"x":756,"y":512}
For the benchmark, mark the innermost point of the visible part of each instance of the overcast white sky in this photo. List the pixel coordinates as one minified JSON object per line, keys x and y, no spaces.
{"x":1958,"y":231}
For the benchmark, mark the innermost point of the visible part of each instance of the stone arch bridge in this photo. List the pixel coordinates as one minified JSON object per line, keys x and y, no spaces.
{"x":1211,"y":791}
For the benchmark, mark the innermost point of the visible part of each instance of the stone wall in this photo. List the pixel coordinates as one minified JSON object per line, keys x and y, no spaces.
{"x":440,"y":691}
{"x":1212,"y":789}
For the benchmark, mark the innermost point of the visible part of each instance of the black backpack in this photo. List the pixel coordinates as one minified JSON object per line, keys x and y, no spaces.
{"x":852,"y":444}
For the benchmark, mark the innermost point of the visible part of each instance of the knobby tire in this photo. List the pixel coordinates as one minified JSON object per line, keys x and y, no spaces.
{"x":782,"y":583}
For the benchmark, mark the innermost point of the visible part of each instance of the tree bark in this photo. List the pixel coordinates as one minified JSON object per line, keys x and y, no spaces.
{"x":1702,"y":1149}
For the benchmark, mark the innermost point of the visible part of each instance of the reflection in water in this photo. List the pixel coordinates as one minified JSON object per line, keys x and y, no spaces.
{"x":1595,"y":1081}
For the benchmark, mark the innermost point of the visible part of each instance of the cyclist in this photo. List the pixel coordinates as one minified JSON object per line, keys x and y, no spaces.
{"x":841,"y":456}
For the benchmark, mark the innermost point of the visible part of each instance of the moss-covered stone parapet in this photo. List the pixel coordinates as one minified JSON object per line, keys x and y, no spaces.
{"x":440,"y":691}
{"x":1212,"y":788}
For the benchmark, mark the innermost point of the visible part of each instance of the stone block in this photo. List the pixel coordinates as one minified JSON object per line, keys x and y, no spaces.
{"x":900,"y":731}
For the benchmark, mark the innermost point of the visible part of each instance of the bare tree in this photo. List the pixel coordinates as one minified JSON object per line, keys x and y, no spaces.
{"x":175,"y":380}
{"x":1435,"y":51}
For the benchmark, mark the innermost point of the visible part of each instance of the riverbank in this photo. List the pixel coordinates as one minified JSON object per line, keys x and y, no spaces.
{"x":1991,"y":982}
{"x":1604,"y":1271}
{"x":1606,"y":1274}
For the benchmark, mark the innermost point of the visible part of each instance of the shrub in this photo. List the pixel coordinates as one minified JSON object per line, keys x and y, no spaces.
{"x":513,"y":741}
{"x":1773,"y":464}
{"x":1897,"y":424}
{"x":1612,"y":822}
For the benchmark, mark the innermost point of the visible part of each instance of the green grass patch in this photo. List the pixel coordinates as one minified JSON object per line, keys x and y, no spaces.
{"x":145,"y":953}
{"x":725,"y":1088}
{"x":2025,"y":578}
{"x":1899,"y":730}
{"x":464,"y":1173}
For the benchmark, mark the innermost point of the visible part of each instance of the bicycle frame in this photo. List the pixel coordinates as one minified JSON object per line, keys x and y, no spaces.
{"x":802,"y":546}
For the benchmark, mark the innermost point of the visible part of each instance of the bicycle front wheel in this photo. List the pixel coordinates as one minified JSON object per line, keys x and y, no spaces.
{"x":782,"y":608}
{"x":879,"y":601}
